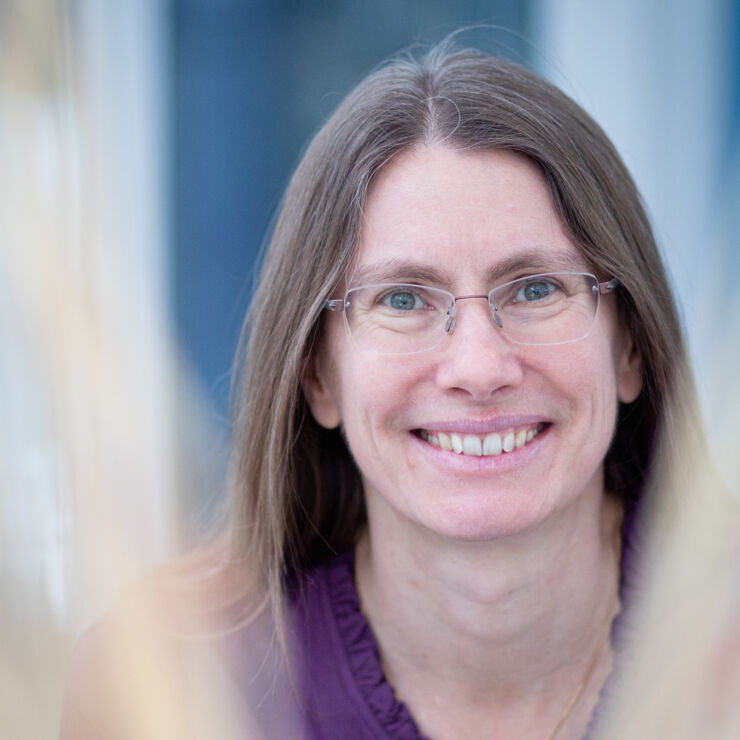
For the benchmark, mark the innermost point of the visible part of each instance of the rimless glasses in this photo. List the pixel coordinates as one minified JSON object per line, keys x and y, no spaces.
{"x":404,"y":318}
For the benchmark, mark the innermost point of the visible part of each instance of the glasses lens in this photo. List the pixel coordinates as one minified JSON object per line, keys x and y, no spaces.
{"x":397,"y":318}
{"x":554,"y":308}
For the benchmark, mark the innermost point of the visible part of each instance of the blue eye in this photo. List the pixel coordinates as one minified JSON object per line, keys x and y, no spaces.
{"x":535,"y":290}
{"x":402,"y":300}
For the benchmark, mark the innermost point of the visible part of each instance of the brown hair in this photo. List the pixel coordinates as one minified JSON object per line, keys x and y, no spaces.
{"x":296,"y":492}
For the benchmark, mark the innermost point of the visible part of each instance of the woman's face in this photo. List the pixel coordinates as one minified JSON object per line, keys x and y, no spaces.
{"x":465,"y":216}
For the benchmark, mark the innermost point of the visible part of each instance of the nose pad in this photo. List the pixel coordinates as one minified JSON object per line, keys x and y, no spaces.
{"x":450,"y":322}
{"x":452,"y":319}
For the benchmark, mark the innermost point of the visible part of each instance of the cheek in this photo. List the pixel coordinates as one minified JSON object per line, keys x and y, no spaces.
{"x":374,"y":393}
{"x":369,"y":418}
{"x":589,"y":381}
{"x":604,"y":405}
{"x":377,"y":397}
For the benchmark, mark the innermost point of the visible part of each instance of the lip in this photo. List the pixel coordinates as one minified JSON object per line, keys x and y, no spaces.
{"x":471,"y":463}
{"x":496,"y":424}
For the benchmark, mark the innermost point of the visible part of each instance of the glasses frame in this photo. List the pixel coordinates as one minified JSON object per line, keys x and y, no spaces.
{"x":599,"y":289}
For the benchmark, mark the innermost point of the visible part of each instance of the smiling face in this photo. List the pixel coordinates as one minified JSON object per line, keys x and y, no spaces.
{"x":417,"y":424}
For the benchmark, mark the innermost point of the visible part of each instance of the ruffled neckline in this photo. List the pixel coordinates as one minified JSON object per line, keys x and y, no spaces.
{"x":363,"y":653}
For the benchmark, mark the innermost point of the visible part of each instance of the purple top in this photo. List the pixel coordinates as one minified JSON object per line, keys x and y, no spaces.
{"x":344,"y":691}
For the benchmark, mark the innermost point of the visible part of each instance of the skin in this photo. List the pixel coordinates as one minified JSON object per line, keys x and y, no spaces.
{"x":487,"y":581}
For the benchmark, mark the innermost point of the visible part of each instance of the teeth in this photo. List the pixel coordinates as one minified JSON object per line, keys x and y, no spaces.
{"x":471,"y":444}
{"x":492,"y":445}
{"x":457,"y":443}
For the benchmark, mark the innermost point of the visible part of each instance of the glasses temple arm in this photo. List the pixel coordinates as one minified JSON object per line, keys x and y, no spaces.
{"x":608,"y":286}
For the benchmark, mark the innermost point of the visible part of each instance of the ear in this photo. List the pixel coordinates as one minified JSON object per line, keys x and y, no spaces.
{"x":629,"y":371}
{"x":320,"y":399}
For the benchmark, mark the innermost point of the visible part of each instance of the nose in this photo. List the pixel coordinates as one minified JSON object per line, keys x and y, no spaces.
{"x":476,"y":359}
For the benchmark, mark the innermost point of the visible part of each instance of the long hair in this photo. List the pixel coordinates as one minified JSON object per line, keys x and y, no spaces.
{"x":296,"y":493}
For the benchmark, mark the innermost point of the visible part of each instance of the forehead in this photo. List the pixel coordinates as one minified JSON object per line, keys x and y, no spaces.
{"x":456,"y":213}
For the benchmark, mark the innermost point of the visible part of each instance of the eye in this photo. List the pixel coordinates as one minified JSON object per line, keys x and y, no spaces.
{"x":535,"y":290}
{"x":402,"y":300}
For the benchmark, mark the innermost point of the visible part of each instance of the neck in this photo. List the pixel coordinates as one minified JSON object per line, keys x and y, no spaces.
{"x":511,"y":625}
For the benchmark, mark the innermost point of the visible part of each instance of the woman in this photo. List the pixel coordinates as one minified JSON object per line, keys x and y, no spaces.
{"x":489,"y":582}
{"x":456,"y":368}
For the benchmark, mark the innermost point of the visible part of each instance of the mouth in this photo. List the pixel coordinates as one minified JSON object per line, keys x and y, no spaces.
{"x":489,"y":445}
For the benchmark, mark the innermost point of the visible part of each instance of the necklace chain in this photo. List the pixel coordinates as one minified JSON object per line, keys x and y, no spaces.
{"x":610,"y":614}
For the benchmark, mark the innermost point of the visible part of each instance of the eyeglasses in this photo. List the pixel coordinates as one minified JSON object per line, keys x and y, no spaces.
{"x":404,"y":318}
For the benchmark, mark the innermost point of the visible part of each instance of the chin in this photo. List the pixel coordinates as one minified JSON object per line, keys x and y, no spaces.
{"x":475,"y":522}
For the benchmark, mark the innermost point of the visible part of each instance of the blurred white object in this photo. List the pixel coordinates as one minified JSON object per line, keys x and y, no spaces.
{"x":86,"y":391}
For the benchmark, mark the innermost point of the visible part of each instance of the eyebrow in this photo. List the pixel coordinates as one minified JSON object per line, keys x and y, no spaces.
{"x":398,"y":270}
{"x":535,"y":261}
{"x":531,"y":261}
